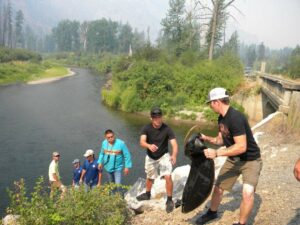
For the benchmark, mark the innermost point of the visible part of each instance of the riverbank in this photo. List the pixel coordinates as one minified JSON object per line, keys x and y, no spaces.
{"x":276,"y":200}
{"x":26,"y":71}
{"x":51,"y":79}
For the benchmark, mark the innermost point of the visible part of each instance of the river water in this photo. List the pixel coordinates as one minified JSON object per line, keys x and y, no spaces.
{"x":65,"y":116}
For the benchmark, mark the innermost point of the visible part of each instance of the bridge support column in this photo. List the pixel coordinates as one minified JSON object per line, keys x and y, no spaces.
{"x":287,"y":97}
{"x":285,"y":106}
{"x":293,"y":118}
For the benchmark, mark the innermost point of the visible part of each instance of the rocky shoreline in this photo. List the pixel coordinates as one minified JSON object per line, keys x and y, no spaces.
{"x":277,"y":197}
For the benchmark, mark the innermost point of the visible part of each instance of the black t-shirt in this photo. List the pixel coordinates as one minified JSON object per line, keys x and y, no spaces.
{"x":159,"y":137}
{"x":234,"y":123}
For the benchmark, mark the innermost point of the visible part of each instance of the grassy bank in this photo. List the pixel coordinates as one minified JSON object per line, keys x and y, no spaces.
{"x":24,"y":71}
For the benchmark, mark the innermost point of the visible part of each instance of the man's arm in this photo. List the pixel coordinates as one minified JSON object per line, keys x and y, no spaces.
{"x":100,"y":158}
{"x":174,"y":151}
{"x":218,"y":140}
{"x":239,"y":147}
{"x":82,"y":175}
{"x":127,"y":158}
{"x":144,"y":144}
{"x":99,"y":178}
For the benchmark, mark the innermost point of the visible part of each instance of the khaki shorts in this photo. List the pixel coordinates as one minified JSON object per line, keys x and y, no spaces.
{"x":57,"y":185}
{"x":231,"y":170}
{"x":162,"y":164}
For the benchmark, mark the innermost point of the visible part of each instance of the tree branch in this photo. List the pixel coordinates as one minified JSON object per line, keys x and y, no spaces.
{"x":228,"y":4}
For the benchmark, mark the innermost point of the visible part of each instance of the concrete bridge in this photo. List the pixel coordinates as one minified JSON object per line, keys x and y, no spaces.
{"x":279,"y":92}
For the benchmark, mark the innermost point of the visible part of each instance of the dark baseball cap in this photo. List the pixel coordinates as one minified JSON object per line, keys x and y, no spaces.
{"x":156,"y":112}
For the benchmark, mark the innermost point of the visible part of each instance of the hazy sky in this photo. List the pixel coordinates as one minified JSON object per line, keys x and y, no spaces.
{"x":274,"y":22}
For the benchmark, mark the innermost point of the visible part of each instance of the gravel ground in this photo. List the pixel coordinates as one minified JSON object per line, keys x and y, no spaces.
{"x":277,"y":198}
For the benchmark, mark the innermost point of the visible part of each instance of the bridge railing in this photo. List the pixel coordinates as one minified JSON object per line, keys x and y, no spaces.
{"x":278,"y":90}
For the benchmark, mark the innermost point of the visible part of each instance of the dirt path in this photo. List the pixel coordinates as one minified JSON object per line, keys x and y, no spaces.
{"x":277,"y":199}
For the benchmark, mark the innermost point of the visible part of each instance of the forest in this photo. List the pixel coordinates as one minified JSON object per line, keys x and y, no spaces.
{"x":190,"y":55}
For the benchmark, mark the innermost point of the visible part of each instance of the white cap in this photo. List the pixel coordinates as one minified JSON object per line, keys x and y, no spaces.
{"x":217,"y":93}
{"x":88,"y":153}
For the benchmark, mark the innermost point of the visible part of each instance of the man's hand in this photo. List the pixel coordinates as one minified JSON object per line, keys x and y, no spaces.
{"x":152,"y":147}
{"x":126,"y":171}
{"x":210,"y":153}
{"x":173,"y":159}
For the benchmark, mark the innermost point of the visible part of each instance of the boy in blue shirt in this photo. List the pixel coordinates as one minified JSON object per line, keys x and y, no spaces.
{"x":91,"y":175}
{"x":114,"y":157}
{"x":76,"y":173}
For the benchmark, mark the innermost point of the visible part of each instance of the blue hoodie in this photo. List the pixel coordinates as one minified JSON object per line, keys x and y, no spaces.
{"x":113,"y":157}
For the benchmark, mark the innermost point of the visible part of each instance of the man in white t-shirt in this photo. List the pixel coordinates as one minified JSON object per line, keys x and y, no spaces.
{"x":54,"y":177}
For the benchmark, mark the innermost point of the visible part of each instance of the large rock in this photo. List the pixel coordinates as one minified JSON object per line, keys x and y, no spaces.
{"x":10,"y":220}
{"x":158,"y":192}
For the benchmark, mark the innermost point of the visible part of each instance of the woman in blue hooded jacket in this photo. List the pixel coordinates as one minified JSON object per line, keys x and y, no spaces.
{"x":114,"y":157}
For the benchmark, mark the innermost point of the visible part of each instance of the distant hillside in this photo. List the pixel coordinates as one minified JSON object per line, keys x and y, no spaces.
{"x":44,"y":14}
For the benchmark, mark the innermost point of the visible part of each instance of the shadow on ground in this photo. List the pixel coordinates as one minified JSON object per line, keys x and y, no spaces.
{"x":296,"y":219}
{"x":233,"y":205}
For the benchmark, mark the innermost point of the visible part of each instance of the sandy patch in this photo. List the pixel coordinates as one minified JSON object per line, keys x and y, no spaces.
{"x":51,"y":79}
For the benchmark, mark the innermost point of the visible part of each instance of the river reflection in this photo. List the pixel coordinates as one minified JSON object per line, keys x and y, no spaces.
{"x":65,"y":116}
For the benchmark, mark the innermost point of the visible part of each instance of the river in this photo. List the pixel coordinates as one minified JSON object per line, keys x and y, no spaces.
{"x":65,"y":116}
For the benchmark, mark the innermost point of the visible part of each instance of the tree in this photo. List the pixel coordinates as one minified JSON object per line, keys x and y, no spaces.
{"x":251,"y":55}
{"x":232,"y":46}
{"x":83,"y":34}
{"x":138,"y":40}
{"x":217,"y":23}
{"x":19,"y":29}
{"x":174,"y":26}
{"x":125,"y":38}
{"x":261,"y":52}
{"x":67,"y":35}
{"x":30,"y":39}
{"x":49,"y":43}
{"x":192,"y":29}
{"x":294,"y":65}
{"x":9,"y":25}
{"x":102,"y":36}
{"x":1,"y":22}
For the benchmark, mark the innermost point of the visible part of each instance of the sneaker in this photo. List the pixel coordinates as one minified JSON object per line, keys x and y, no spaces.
{"x":208,"y":216}
{"x":143,"y":197}
{"x":169,"y":206}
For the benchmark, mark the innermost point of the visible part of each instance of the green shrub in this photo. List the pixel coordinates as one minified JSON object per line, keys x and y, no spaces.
{"x":210,"y":115}
{"x":8,"y":54}
{"x":144,"y":83}
{"x":98,"y":206}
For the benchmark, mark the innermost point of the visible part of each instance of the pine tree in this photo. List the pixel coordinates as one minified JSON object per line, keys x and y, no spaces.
{"x":19,"y":29}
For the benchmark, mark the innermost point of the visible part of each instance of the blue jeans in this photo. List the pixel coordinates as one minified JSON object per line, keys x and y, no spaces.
{"x":115,"y":177}
{"x":88,"y":187}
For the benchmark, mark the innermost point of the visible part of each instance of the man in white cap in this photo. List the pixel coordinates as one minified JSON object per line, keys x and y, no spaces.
{"x":243,"y":156}
{"x":91,"y":175}
{"x":54,"y":177}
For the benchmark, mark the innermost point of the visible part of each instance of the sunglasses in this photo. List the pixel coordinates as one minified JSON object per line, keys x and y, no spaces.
{"x":57,"y":156}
